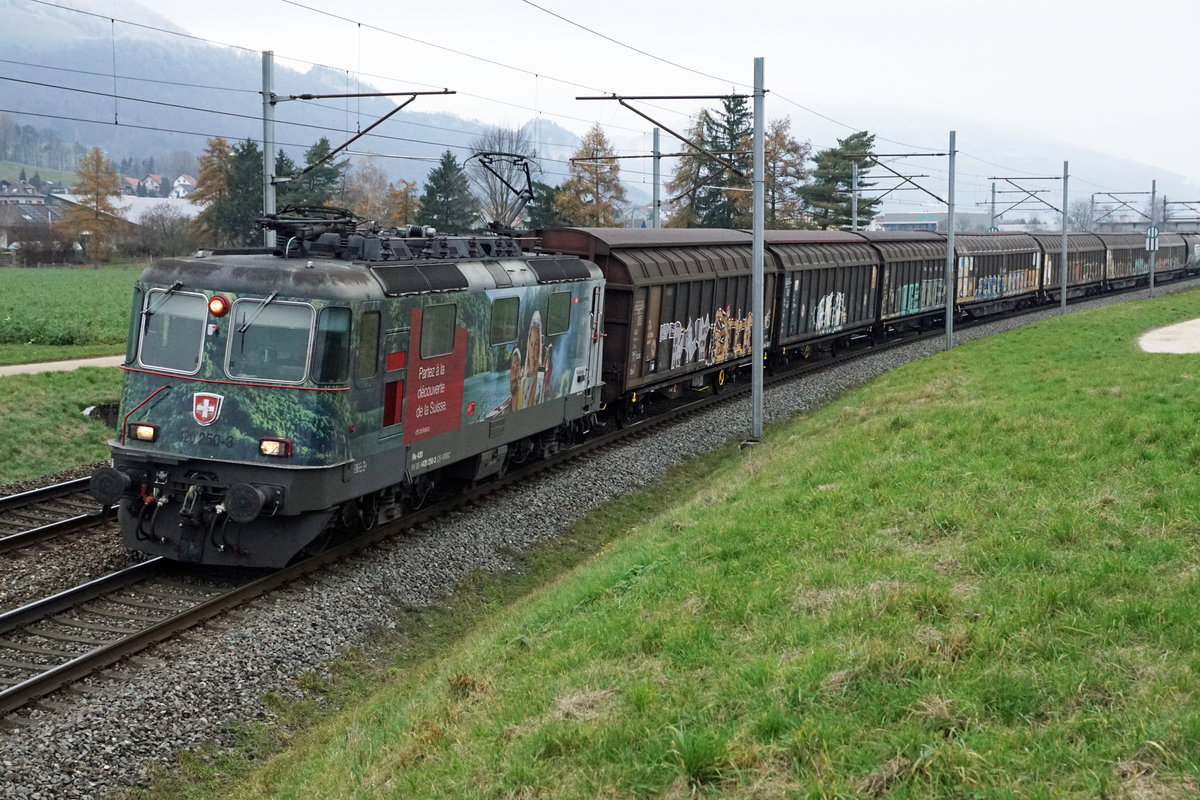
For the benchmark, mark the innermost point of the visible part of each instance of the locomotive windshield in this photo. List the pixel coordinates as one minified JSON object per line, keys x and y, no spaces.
{"x":173,"y":330}
{"x":274,"y":346}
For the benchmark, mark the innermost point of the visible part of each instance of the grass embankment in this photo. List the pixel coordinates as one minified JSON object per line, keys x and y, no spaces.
{"x":978,"y":576}
{"x":50,"y":314}
{"x":42,"y":427}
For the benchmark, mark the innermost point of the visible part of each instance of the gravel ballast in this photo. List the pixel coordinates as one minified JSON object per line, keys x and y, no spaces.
{"x":97,"y":738}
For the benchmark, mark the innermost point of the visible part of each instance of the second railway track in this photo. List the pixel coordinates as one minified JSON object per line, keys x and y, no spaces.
{"x":47,"y":513}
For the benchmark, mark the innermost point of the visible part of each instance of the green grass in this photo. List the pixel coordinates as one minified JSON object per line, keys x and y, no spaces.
{"x":42,"y":427}
{"x":979,"y":576}
{"x":50,"y":313}
{"x":12,"y":171}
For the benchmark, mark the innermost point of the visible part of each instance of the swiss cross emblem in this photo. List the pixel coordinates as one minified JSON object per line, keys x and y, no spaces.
{"x":206,"y":407}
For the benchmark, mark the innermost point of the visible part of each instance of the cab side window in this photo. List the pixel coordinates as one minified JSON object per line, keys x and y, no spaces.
{"x":437,"y":331}
{"x":331,"y":351}
{"x":558,"y":318}
{"x":505,"y":313}
{"x":367,"y":363}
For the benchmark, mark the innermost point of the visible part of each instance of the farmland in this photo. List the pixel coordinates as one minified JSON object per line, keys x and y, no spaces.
{"x":48,"y":314}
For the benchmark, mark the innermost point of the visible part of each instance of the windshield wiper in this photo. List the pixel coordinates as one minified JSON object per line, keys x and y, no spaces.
{"x":242,"y":328}
{"x":174,"y":287}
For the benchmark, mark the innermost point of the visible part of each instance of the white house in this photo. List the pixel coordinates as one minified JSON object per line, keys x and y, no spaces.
{"x":183,"y":186}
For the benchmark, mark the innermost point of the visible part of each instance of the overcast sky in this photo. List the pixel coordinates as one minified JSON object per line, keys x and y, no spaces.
{"x":1101,"y":75}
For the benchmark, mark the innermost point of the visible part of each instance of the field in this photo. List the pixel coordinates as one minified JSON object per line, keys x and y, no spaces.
{"x":979,"y":576}
{"x":12,"y":171}
{"x":51,"y":313}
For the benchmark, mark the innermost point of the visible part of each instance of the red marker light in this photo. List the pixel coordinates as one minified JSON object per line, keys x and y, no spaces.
{"x":218,"y":305}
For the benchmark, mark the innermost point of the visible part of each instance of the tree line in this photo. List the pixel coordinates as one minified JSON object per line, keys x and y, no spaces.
{"x":708,"y":188}
{"x":802,"y":189}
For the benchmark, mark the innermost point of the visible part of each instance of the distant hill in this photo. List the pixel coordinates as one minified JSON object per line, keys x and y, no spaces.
{"x":69,"y":49}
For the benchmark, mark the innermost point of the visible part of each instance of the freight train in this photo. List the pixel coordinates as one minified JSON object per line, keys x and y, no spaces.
{"x":272,"y":397}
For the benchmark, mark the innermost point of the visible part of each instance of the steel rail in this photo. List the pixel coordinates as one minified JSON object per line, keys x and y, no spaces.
{"x":53,"y":530}
{"x":22,"y":499}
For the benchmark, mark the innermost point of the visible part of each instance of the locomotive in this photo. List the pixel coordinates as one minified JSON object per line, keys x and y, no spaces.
{"x":271,"y":398}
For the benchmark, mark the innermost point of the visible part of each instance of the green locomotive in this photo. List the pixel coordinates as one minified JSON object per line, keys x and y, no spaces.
{"x":272,"y":396}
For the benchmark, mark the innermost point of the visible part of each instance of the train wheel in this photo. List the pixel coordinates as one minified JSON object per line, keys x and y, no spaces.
{"x":369,"y":512}
{"x":626,"y":414}
{"x":719,"y":382}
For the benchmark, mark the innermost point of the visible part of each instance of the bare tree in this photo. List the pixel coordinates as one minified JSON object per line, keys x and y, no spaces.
{"x":497,"y":200}
{"x":164,"y":231}
{"x":1081,"y":216}
{"x":365,"y":191}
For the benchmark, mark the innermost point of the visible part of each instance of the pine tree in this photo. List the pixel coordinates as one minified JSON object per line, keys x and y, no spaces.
{"x":541,"y":211}
{"x":689,"y":179}
{"x":402,"y":198}
{"x":96,"y":219}
{"x":592,"y":194}
{"x":230,"y":189}
{"x":447,"y":203}
{"x":719,"y":204}
{"x":708,"y":194}
{"x":316,"y":187}
{"x":246,"y":194}
{"x":212,"y":192}
{"x":828,"y":196}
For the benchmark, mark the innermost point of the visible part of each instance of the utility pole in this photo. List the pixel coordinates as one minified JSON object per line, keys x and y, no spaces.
{"x":1063,"y":300}
{"x":951,"y":289}
{"x":992,"y":224}
{"x":1153,"y":215}
{"x":657,"y":167}
{"x":756,"y":374}
{"x":854,"y":196}
{"x":268,"y":93}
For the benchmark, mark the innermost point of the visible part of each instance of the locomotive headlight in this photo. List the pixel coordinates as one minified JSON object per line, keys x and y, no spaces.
{"x":218,"y":305}
{"x":279,"y":448}
{"x":143,"y":431}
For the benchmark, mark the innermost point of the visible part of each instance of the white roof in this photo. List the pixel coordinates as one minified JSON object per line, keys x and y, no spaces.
{"x":134,"y":208}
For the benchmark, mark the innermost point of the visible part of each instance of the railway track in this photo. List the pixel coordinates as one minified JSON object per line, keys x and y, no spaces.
{"x":47,"y":513}
{"x":51,"y":643}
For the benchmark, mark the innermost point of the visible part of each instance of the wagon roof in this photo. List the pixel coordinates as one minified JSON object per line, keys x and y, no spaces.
{"x":972,"y":243}
{"x":1138,"y":240}
{"x":1076,"y":242}
{"x":811,"y":237}
{"x":603,"y":240}
{"x":903,"y":236}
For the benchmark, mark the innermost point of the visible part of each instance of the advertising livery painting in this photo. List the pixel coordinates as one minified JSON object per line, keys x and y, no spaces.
{"x":527,"y":346}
